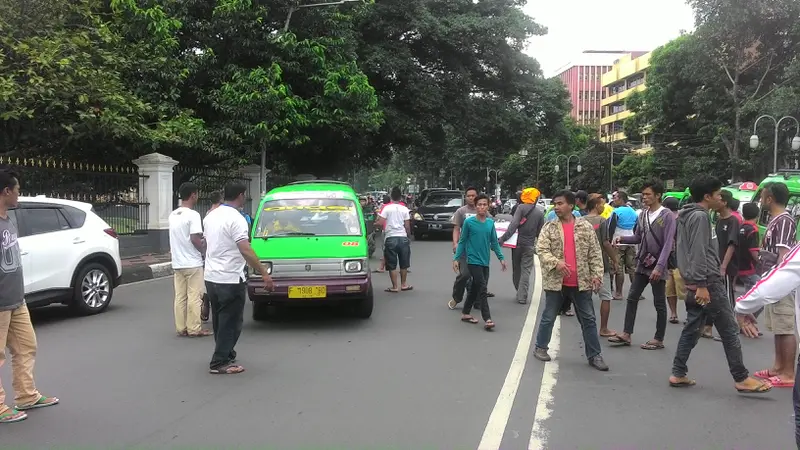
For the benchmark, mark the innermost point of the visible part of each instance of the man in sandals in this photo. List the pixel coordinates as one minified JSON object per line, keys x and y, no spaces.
{"x":478,"y":237}
{"x":186,"y":246}
{"x":698,"y":262}
{"x":16,"y":330}
{"x":227,"y":251}
{"x":205,"y":310}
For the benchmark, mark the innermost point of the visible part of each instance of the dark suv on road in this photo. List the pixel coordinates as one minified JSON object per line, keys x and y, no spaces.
{"x":434,"y":214}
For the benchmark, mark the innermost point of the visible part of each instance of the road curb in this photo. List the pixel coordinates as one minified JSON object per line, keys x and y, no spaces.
{"x":146,"y":272}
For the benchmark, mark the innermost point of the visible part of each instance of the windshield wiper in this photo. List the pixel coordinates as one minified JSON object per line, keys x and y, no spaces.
{"x":294,"y":233}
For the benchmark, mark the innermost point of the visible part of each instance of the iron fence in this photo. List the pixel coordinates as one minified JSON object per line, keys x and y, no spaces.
{"x":208,"y":181}
{"x":112,"y":190}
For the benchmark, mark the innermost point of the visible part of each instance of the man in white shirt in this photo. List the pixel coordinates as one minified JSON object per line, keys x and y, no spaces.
{"x":186,"y":246}
{"x":227,"y":252}
{"x":216,"y":200}
{"x":396,"y":220}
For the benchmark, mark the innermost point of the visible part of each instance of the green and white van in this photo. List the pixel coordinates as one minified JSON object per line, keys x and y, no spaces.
{"x":311,"y":236}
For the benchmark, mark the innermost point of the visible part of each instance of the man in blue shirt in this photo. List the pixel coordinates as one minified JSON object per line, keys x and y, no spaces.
{"x":626,"y":218}
{"x":478,"y":237}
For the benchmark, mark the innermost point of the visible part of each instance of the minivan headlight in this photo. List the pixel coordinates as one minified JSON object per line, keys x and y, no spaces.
{"x":353,"y":266}
{"x":254,"y":273}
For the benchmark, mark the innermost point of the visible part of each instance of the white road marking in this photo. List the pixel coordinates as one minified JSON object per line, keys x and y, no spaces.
{"x":498,"y":419}
{"x":544,"y":407}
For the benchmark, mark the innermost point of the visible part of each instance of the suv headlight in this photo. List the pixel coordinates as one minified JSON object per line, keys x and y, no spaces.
{"x":254,"y":273}
{"x":353,"y":266}
{"x":417,"y":216}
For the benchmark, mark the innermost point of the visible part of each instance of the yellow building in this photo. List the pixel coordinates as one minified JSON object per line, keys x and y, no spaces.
{"x":627,"y":75}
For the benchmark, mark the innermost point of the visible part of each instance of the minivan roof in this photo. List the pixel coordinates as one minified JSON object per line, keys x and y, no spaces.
{"x":314,"y":188}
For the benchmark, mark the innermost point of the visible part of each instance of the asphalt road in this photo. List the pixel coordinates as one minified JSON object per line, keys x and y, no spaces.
{"x":412,"y":377}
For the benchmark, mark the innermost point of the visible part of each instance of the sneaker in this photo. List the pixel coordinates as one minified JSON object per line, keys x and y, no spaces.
{"x":598,"y":363}
{"x":541,"y":354}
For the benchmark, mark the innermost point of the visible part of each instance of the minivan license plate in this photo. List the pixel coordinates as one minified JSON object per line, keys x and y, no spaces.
{"x":308,"y":291}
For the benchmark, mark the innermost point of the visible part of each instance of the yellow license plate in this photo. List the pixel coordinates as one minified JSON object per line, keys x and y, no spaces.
{"x":308,"y":291}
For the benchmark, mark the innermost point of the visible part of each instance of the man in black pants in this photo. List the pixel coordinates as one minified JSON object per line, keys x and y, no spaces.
{"x":228,"y":250}
{"x":655,"y":233}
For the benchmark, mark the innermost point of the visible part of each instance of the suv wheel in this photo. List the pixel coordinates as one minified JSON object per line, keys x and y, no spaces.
{"x":93,"y":289}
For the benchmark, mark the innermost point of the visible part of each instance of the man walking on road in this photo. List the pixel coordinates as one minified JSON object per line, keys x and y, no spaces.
{"x":654,"y":236}
{"x":396,"y":221}
{"x":572,"y":265}
{"x":478,"y":237}
{"x":205,"y":310}
{"x":626,"y":221}
{"x":698,"y":261}
{"x":16,"y":330}
{"x":602,"y":228}
{"x":462,"y":281}
{"x":186,"y":245}
{"x":228,"y":250}
{"x":779,"y":316}
{"x":528,"y":221}
{"x":675,"y":289}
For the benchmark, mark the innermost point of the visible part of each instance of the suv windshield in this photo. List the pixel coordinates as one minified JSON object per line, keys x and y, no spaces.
{"x":444,"y":199}
{"x":309,"y":217}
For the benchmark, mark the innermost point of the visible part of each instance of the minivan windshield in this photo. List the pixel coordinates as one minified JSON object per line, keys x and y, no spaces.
{"x":308,"y":217}
{"x":444,"y":199}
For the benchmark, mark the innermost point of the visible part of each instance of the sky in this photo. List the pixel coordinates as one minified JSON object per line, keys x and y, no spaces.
{"x":578,"y":25}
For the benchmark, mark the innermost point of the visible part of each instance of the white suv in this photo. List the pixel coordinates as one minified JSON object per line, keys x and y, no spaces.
{"x":69,"y":254}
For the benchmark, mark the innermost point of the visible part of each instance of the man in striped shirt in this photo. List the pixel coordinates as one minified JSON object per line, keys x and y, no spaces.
{"x":779,"y":315}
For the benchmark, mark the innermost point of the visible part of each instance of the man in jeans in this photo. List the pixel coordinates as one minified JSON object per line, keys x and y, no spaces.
{"x":528,"y":221}
{"x":186,"y":246}
{"x":698,"y":262}
{"x":654,"y":235}
{"x":227,"y":251}
{"x":572,"y":265}
{"x":396,"y":220}
{"x":16,"y":330}
{"x":463,"y":277}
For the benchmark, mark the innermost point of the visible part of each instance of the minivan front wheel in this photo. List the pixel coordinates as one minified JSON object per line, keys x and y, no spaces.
{"x":93,"y":289}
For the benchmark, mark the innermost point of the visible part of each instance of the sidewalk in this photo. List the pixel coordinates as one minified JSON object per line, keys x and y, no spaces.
{"x":146,"y":267}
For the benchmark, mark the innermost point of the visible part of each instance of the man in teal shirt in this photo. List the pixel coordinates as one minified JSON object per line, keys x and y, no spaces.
{"x":478,"y":238}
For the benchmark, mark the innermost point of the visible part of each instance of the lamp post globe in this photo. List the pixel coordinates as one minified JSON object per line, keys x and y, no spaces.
{"x":754,"y":141}
{"x":796,"y":143}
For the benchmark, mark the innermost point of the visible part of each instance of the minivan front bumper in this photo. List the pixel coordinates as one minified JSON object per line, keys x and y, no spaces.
{"x":339,"y":290}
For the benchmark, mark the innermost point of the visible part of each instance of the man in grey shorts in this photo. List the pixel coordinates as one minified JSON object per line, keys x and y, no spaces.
{"x":604,"y":232}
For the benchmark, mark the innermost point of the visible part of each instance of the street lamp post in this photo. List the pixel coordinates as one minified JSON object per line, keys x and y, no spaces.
{"x":569,"y":160}
{"x":496,"y":177}
{"x":795,"y":141}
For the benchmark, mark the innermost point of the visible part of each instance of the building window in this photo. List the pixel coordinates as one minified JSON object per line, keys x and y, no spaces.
{"x":615,"y":109}
{"x":636,"y":82}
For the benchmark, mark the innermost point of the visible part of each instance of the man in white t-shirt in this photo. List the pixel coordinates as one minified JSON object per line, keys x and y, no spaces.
{"x":186,"y":245}
{"x":227,"y":252}
{"x":396,"y":220}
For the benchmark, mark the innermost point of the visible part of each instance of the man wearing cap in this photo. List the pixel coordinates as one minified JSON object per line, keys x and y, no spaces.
{"x":528,"y":220}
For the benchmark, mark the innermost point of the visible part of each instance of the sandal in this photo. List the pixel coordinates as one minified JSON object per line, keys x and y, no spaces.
{"x":611,"y":333}
{"x":674,"y":319}
{"x":12,"y":415}
{"x":391,"y":291}
{"x":619,"y":341}
{"x":202,"y":333}
{"x":43,"y":402}
{"x":685,"y":382}
{"x":764,"y":374}
{"x":407,"y":288}
{"x":652,"y":345}
{"x":489,"y":325}
{"x":469,"y":319}
{"x":780,"y":383}
{"x":760,"y":389}
{"x":230,"y":369}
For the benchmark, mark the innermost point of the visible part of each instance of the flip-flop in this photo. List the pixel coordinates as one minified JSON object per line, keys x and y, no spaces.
{"x":231,"y":369}
{"x":407,"y":288}
{"x":469,"y":319}
{"x":763,"y":374}
{"x":674,"y":320}
{"x":779,"y":383}
{"x":682,"y":384}
{"x":651,"y":345}
{"x":489,"y":326}
{"x":390,"y":290}
{"x":763,"y":388}
{"x":12,"y":416}
{"x":43,"y":402}
{"x":608,"y":335}
{"x":617,"y":341}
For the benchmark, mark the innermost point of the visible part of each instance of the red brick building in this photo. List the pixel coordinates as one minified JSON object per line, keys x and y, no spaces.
{"x":582,"y":79}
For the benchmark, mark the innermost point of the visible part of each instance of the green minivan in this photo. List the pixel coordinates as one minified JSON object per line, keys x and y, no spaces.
{"x":312,"y":238}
